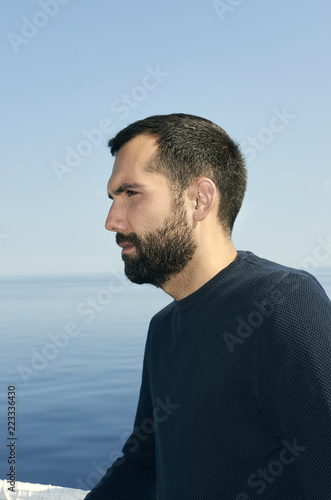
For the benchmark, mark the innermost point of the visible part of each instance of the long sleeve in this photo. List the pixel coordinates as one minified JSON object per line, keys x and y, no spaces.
{"x":240,"y":375}
{"x":296,"y":380}
{"x":132,"y":476}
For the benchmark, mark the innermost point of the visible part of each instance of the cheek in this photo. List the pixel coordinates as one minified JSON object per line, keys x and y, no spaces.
{"x":146,"y":217}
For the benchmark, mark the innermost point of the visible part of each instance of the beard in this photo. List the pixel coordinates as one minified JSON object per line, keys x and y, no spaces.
{"x":161,"y":253}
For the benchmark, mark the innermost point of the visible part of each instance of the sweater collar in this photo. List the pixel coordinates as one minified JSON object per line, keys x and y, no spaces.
{"x":193,"y":298}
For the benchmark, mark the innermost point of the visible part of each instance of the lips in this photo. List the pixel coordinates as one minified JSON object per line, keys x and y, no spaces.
{"x":127,"y":241}
{"x":126,"y":246}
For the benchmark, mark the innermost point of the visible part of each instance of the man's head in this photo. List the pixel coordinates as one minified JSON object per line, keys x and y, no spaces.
{"x":189,"y":147}
{"x":177,"y":181}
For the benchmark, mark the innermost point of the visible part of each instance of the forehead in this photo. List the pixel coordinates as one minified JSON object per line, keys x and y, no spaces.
{"x":132,"y":160}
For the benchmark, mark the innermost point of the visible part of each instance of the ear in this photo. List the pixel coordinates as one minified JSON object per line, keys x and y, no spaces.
{"x":203,"y":194}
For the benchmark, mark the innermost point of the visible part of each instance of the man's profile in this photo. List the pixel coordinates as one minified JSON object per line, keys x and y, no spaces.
{"x":235,"y":399}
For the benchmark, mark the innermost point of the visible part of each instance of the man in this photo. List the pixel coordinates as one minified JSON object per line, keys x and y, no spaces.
{"x":235,"y":400}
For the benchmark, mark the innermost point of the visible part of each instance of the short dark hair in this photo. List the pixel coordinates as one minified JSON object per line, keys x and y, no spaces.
{"x":190,"y":147}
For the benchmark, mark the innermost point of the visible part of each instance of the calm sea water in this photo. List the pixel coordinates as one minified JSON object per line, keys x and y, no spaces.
{"x":73,"y":348}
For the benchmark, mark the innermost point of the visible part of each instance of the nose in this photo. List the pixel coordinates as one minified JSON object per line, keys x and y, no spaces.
{"x":115,"y":220}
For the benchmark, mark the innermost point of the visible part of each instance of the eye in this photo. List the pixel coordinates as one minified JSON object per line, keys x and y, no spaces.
{"x":131,"y":193}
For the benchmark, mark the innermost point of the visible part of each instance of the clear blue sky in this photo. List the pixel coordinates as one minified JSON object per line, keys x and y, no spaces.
{"x":259,"y":69}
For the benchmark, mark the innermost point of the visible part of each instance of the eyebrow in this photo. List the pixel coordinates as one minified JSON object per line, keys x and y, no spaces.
{"x":125,"y":187}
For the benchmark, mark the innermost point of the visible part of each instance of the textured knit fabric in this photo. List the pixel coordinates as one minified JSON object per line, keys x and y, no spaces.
{"x":235,"y":401}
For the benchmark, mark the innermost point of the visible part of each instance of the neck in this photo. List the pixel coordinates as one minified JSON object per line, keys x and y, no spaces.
{"x":208,"y":261}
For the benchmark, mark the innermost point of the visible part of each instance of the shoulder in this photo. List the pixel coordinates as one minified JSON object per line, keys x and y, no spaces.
{"x":296,"y":310}
{"x":272,"y":278}
{"x":299,"y":320}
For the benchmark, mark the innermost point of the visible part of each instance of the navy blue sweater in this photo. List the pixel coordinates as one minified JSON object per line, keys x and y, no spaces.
{"x":235,"y":401}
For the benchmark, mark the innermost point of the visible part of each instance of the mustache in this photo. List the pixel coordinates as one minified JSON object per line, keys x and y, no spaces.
{"x":129,"y":238}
